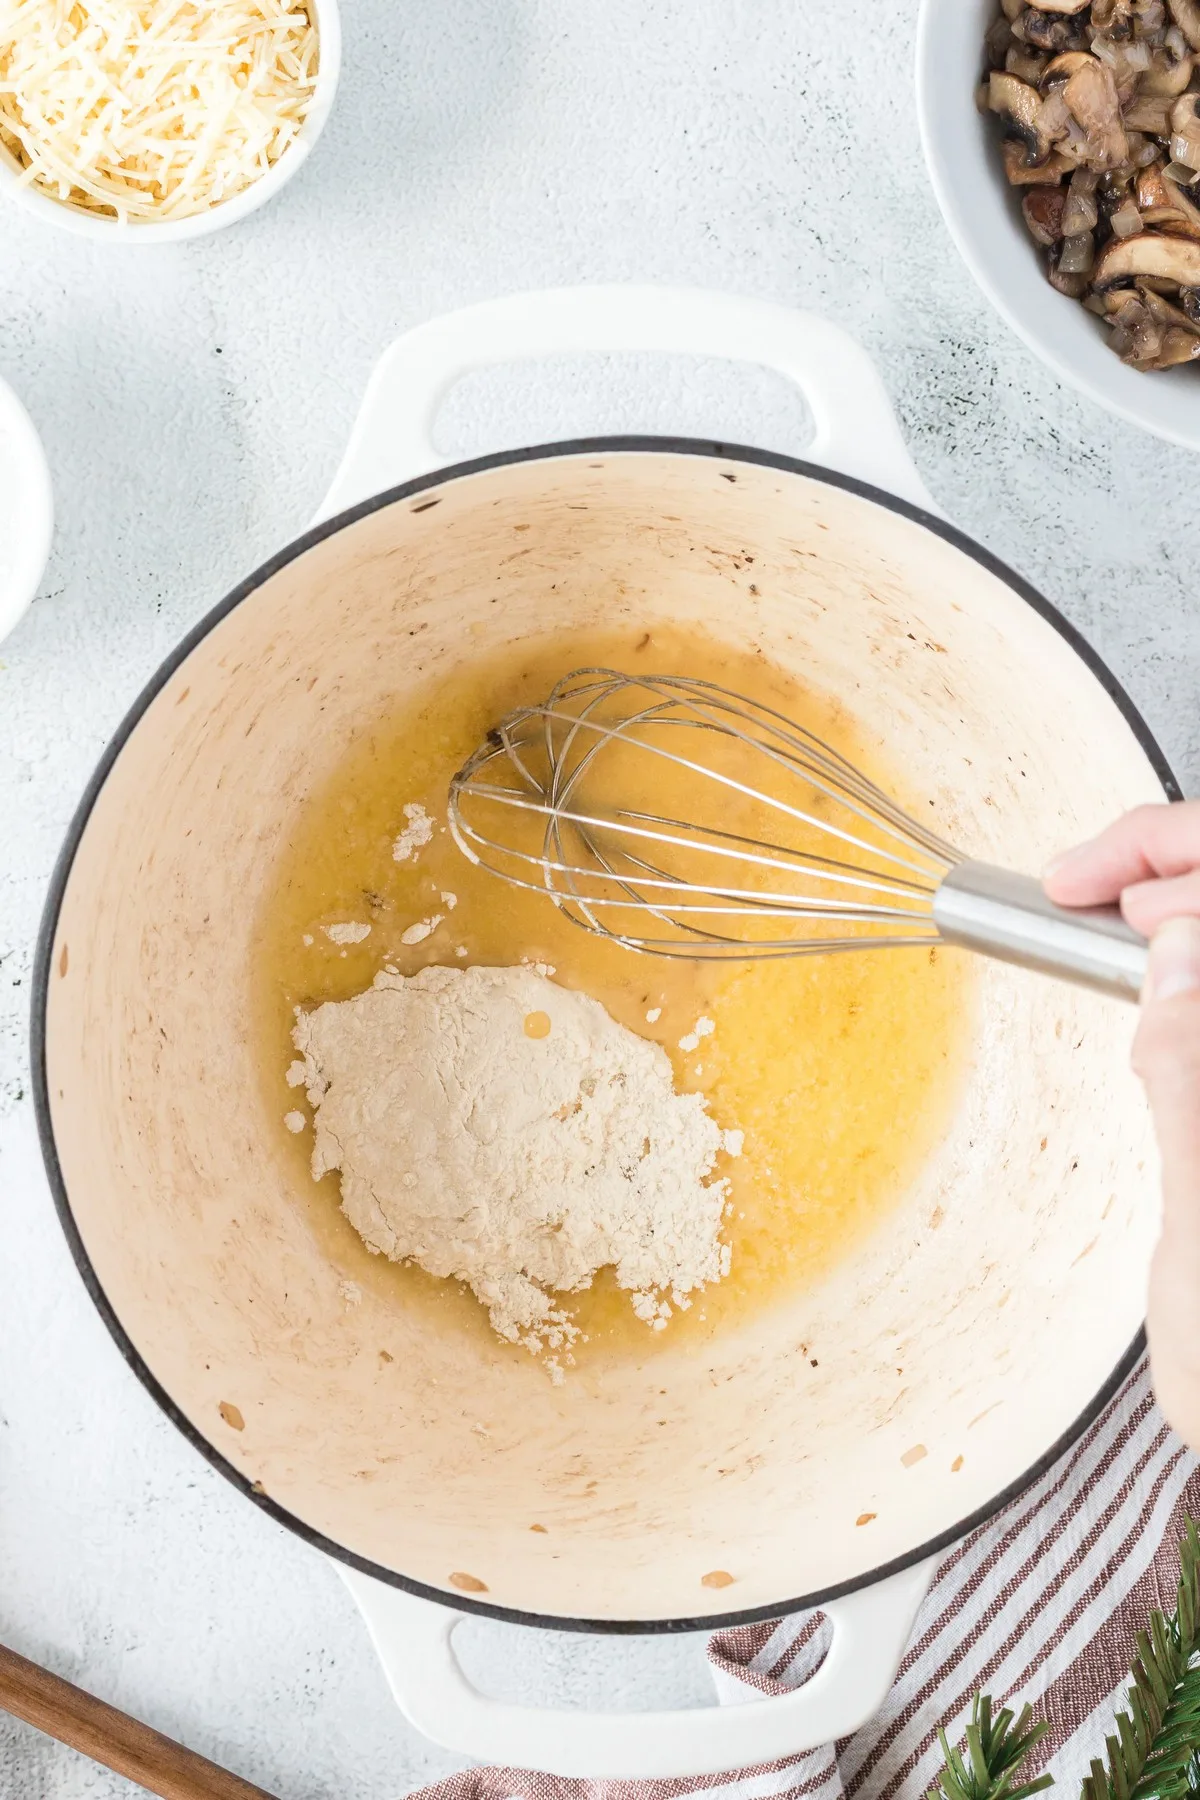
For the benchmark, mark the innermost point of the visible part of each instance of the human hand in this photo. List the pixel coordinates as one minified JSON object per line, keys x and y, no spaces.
{"x":1149,"y":862}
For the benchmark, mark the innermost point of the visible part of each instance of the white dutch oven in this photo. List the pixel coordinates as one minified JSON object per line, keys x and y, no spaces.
{"x":969,"y":1342}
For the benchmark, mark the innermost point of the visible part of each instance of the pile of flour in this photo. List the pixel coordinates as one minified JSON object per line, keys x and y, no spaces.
{"x":493,"y":1126}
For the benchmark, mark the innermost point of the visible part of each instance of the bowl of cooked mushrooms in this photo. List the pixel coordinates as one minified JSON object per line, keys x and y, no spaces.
{"x":1063,"y":143}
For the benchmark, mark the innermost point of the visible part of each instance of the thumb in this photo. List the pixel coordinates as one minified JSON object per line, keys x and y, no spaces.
{"x":1166,"y":1052}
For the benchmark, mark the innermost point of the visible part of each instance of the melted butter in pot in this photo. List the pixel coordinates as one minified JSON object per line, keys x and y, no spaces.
{"x":841,"y":1071}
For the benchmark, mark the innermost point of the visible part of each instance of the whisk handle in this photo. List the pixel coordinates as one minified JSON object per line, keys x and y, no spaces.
{"x":1008,"y":916}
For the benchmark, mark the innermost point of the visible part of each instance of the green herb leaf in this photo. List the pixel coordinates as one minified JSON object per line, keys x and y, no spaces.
{"x":996,"y":1746}
{"x":1156,"y":1752}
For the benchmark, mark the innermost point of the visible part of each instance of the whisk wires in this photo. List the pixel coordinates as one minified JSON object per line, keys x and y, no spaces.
{"x":678,"y":817}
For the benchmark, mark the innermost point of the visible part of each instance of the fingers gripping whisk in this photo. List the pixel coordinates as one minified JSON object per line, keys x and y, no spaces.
{"x":680,"y":818}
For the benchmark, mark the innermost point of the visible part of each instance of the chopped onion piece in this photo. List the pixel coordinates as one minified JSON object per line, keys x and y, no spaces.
{"x":1080,"y":212}
{"x":1026,"y":65}
{"x":1054,"y":116}
{"x":1185,"y":150}
{"x":1127,"y":220}
{"x":1077,"y":255}
{"x":999,"y":40}
{"x":1147,"y":339}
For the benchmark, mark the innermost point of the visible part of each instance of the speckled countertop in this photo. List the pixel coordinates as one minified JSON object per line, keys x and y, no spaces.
{"x":194,"y":402}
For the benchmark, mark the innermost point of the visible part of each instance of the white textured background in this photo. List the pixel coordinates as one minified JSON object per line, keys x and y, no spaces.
{"x":194,"y":402}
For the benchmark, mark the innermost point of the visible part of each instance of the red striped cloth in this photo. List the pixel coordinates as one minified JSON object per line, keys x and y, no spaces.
{"x":1042,"y":1604}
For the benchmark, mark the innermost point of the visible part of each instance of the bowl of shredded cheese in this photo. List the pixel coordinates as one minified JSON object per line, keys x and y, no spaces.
{"x":160,"y":119}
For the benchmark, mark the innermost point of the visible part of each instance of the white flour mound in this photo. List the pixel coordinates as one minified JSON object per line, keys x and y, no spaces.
{"x":519,"y":1163}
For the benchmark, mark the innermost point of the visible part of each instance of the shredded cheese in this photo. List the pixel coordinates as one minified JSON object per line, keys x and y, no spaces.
{"x":152,"y":109}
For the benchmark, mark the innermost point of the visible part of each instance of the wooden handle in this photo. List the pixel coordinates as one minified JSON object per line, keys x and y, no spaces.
{"x":110,"y":1737}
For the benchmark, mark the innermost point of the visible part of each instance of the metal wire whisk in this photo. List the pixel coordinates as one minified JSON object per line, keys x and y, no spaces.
{"x":768,"y":842}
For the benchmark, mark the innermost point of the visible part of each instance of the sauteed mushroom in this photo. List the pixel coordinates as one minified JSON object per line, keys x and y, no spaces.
{"x":1021,"y":173}
{"x":1020,"y":106}
{"x":1061,"y":68}
{"x":1186,"y":15}
{"x":1166,"y":76}
{"x":1171,"y":259}
{"x":1043,"y":209}
{"x":1098,"y":103}
{"x":1091,"y":96}
{"x":1047,"y":31}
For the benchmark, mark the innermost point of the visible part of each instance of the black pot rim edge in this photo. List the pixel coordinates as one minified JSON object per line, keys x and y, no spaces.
{"x":600,"y":446}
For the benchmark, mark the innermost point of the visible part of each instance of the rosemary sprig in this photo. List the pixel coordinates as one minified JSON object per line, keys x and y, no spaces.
{"x":1155,"y":1751}
{"x":997,"y":1744}
{"x":1155,"y":1754}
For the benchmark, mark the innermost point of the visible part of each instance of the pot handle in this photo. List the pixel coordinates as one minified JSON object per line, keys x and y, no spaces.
{"x":871,"y":1629}
{"x":856,"y":429}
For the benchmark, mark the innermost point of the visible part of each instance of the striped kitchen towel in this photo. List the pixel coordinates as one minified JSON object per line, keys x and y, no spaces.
{"x":1043,"y":1604}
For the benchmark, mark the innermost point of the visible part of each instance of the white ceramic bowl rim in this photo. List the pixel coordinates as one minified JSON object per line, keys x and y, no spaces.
{"x":982,"y":214}
{"x":43,"y":971}
{"x":166,"y":231}
{"x":26,"y":511}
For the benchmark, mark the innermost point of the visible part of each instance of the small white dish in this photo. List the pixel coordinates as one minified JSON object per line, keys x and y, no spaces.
{"x":172,"y":231}
{"x":983,"y":214}
{"x":26,"y":510}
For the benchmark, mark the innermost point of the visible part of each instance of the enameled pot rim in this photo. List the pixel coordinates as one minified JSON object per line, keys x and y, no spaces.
{"x":590,"y":447}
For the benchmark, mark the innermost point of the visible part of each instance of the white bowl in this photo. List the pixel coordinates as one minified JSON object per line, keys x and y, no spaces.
{"x":167,"y":231}
{"x":984,"y":216}
{"x":26,"y":510}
